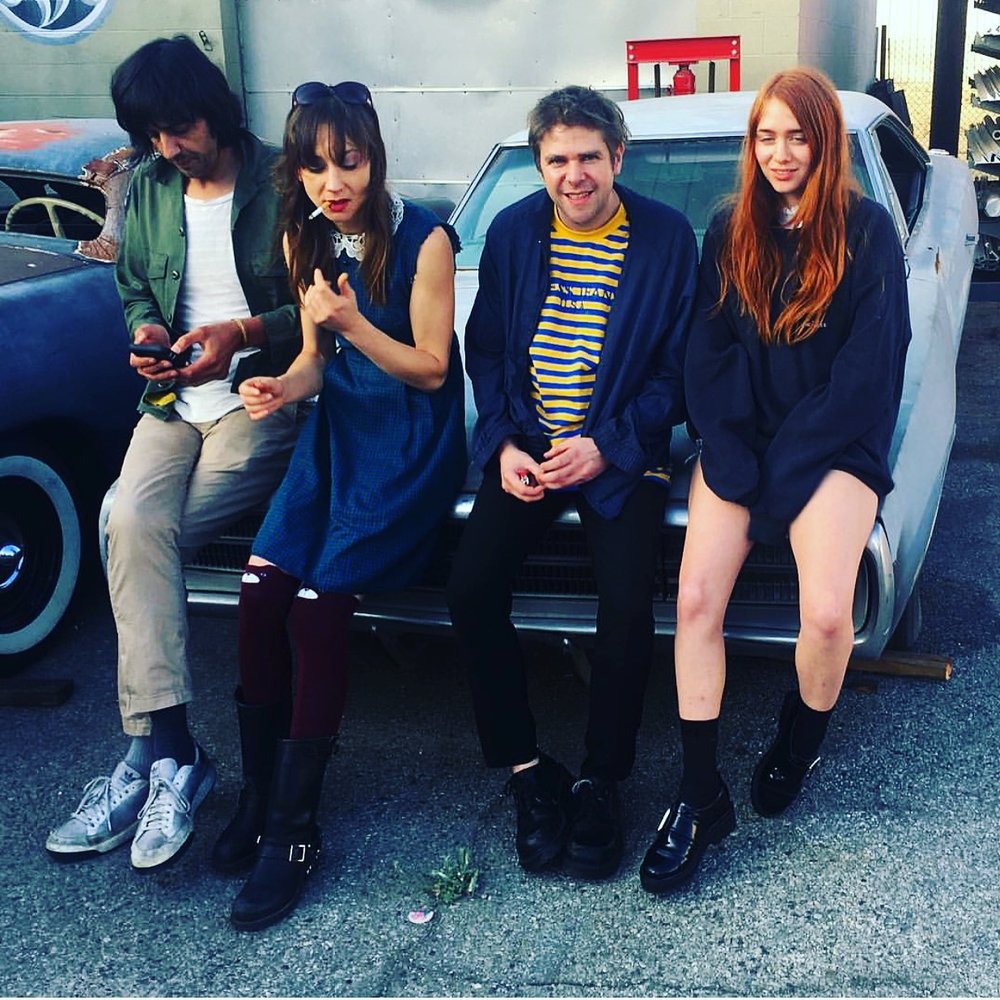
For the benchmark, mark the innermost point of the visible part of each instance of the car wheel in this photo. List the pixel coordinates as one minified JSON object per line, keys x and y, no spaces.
{"x":910,"y":622}
{"x":39,"y":552}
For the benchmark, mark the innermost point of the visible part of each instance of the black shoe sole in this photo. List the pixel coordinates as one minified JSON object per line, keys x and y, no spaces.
{"x":592,"y":870}
{"x":267,"y":920}
{"x":542,"y":859}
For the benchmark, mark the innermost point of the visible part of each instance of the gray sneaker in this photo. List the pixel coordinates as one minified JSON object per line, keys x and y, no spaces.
{"x":107,"y":815}
{"x":166,"y":820}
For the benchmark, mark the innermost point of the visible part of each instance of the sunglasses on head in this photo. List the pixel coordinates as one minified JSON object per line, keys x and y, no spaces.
{"x":350,"y":92}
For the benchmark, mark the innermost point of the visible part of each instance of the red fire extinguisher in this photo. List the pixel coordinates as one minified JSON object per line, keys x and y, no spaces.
{"x":684,"y":80}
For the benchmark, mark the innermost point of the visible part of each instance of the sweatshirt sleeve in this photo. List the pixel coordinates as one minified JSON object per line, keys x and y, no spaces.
{"x":863,"y":389}
{"x":485,"y":358}
{"x":636,"y":438}
{"x":718,"y":387}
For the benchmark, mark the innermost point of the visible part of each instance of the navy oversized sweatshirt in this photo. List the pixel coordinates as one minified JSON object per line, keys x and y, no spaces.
{"x":775,"y":419}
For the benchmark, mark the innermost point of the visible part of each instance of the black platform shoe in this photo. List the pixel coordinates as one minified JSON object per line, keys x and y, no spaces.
{"x":595,"y":844}
{"x":778,"y":776}
{"x":684,"y":834}
{"x":542,"y":797}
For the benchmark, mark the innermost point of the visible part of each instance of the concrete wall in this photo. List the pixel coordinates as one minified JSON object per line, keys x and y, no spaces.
{"x":837,"y":36}
{"x":69,"y":76}
{"x":449,"y":77}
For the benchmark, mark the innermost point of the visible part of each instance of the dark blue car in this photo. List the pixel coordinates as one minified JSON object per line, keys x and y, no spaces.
{"x":67,"y":393}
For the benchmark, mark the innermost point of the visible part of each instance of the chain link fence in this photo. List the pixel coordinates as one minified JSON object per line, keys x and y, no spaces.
{"x":910,"y":28}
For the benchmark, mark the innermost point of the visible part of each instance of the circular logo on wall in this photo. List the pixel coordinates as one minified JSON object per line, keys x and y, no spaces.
{"x":55,"y":20}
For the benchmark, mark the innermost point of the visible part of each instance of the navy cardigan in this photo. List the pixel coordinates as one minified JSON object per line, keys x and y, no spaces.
{"x":775,"y":419}
{"x":638,"y":393}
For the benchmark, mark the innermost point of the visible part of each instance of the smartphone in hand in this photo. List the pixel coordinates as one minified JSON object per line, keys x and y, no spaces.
{"x":161,"y":352}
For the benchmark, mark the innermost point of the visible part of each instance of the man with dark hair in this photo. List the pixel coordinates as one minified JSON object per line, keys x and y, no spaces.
{"x":197,"y":271}
{"x":575,"y":348}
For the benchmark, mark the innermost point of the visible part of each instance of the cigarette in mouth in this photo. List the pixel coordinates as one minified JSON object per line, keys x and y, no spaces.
{"x":315,"y":213}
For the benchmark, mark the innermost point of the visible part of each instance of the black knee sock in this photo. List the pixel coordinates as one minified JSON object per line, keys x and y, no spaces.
{"x":808,"y":730}
{"x":170,"y":735}
{"x":700,"y":780}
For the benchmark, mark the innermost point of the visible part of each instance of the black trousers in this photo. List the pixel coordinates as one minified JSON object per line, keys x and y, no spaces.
{"x":499,"y":534}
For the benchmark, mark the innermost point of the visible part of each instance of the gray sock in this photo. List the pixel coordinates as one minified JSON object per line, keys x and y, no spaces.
{"x":139,"y":755}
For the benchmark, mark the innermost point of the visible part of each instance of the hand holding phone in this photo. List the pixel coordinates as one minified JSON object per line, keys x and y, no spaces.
{"x":161,"y":352}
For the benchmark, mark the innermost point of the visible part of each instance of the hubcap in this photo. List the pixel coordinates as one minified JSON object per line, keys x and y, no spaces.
{"x":11,"y":564}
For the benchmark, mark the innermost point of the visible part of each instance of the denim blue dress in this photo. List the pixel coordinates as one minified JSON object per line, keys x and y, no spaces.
{"x":378,"y":463}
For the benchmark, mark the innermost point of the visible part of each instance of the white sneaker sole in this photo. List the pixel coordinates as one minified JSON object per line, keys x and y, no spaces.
{"x":102,"y":847}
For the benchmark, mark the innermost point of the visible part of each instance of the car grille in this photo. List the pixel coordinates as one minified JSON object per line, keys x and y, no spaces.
{"x":559,"y":568}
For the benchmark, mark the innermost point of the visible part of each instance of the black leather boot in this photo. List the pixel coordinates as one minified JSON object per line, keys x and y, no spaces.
{"x":290,"y":845}
{"x":261,"y":726}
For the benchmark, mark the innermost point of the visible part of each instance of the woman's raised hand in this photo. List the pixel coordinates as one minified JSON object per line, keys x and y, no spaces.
{"x":335,"y":309}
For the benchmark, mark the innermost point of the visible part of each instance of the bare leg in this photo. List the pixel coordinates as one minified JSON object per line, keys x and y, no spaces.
{"x":715,"y":548}
{"x":828,"y":539}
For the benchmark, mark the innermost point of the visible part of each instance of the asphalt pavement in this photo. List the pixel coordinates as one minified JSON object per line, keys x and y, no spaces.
{"x":884,"y":880}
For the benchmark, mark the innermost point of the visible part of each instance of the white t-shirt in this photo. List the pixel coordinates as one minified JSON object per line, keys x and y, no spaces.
{"x":210,"y":293}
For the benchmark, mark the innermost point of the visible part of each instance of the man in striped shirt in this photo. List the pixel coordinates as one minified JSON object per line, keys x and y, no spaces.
{"x":575,"y":349}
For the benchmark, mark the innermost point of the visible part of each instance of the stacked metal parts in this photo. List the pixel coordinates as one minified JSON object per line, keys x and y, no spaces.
{"x":984,"y":145}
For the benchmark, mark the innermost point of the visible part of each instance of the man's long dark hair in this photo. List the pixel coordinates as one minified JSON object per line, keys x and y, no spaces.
{"x":309,"y":239}
{"x":170,"y":81}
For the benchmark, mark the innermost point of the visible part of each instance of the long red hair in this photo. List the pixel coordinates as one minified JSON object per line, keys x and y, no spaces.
{"x":750,"y":260}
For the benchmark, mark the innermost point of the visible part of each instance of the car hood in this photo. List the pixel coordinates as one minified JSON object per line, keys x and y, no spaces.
{"x":58,"y":146}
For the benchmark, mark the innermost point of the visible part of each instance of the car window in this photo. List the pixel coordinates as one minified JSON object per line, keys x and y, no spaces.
{"x":906,"y":164}
{"x":692,"y":175}
{"x":27,"y":204}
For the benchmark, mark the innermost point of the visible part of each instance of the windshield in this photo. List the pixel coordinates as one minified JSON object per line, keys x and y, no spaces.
{"x":692,"y":175}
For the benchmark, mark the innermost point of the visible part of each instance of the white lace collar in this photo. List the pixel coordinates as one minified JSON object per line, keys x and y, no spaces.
{"x":353,"y":244}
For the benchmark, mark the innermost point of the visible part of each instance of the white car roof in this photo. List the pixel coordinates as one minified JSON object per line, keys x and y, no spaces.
{"x":692,"y":116}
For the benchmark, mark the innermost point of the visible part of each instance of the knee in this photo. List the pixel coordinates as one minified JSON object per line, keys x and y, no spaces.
{"x":133,"y":525}
{"x":699,"y":605}
{"x":827,"y":618}
{"x":472,"y":597}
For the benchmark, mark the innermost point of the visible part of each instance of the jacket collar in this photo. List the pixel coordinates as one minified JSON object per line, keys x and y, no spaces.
{"x":253,"y":174}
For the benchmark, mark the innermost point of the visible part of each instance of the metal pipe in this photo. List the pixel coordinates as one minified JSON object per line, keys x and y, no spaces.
{"x":949,"y":60}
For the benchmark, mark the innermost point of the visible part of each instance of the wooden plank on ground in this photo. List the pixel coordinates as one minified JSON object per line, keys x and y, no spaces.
{"x":925,"y":665}
{"x":26,"y":693}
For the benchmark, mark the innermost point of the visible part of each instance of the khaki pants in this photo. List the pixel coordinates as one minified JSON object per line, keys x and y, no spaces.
{"x":181,"y":484}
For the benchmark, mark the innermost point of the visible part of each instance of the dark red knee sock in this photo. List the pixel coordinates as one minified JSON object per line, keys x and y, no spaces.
{"x":266,"y":596}
{"x":318,"y":626}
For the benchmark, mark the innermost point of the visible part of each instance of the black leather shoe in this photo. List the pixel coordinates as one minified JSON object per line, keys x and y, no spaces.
{"x":778,"y":776}
{"x":594,"y":849}
{"x":541,"y":795}
{"x":684,"y":834}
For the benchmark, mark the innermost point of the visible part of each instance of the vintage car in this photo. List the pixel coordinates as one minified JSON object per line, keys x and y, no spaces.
{"x":67,"y":394}
{"x":684,"y":151}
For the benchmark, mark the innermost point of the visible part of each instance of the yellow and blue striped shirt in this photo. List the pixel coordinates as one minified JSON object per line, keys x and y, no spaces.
{"x":584,"y":269}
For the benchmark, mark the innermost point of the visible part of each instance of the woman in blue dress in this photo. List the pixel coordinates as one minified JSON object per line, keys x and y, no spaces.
{"x":373,"y":475}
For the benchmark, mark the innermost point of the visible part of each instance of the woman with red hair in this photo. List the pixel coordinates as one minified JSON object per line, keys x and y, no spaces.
{"x":793,"y":377}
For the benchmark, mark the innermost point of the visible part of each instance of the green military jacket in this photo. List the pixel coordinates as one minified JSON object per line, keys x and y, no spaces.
{"x":151,"y":260}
